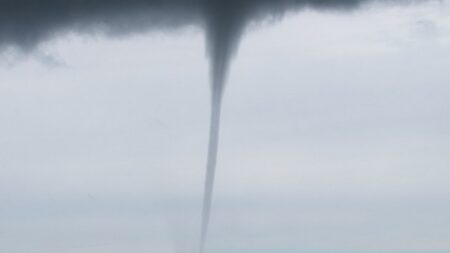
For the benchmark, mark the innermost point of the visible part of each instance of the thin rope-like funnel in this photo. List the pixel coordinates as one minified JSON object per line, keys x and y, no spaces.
{"x":218,"y":75}
{"x":223,"y":36}
{"x":211,"y":165}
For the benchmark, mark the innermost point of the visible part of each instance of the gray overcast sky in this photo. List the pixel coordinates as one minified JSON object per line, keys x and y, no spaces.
{"x":335,"y":138}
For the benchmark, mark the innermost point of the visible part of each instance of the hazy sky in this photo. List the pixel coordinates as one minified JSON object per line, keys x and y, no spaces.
{"x":335,"y":138}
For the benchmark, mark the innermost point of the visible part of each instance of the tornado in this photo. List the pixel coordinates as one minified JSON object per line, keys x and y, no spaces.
{"x":216,"y":104}
{"x":223,"y":32}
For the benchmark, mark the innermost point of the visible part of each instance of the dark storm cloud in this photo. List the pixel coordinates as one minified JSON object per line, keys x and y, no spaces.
{"x":24,"y":23}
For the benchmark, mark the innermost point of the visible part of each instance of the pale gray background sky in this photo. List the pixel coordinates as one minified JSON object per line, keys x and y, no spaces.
{"x":335,"y":138}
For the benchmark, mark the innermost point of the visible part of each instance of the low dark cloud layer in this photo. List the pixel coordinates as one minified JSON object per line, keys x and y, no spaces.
{"x":24,"y":23}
